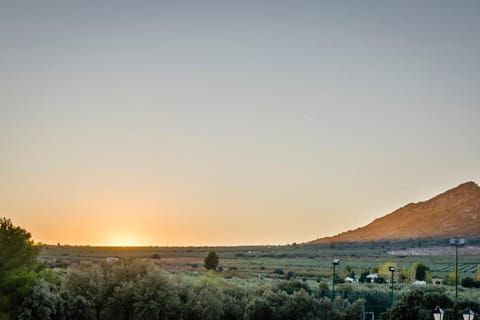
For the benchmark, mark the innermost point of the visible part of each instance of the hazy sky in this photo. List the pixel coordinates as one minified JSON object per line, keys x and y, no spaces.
{"x":231,"y":122}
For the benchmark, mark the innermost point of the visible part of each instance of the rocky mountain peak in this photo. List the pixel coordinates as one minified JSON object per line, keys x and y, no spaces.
{"x":455,"y":212}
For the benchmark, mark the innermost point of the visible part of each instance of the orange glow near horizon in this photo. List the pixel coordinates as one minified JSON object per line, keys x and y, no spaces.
{"x":125,"y":240}
{"x":130,"y":220}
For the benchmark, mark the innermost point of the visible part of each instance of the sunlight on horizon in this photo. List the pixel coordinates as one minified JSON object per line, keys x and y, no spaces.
{"x":124,"y":240}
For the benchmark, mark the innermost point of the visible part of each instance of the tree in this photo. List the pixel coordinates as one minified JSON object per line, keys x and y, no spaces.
{"x":18,"y":255}
{"x":207,"y":303}
{"x":348,"y":272}
{"x":90,"y":281}
{"x":451,"y":278}
{"x":258,"y":309}
{"x":419,"y":303}
{"x":301,"y":305}
{"x":121,"y":302}
{"x":421,"y":272}
{"x":384,"y":270}
{"x":211,"y":261}
{"x":404,"y":275}
{"x":155,"y":297}
{"x":477,"y":275}
{"x":469,"y":282}
{"x":42,"y":303}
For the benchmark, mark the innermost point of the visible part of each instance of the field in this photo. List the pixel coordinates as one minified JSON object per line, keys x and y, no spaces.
{"x":307,"y":262}
{"x":256,"y":276}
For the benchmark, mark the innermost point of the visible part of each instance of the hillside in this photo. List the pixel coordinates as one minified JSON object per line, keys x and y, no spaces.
{"x":455,"y":212}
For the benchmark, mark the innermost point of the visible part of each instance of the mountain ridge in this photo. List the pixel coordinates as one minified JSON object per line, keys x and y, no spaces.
{"x":455,"y":212}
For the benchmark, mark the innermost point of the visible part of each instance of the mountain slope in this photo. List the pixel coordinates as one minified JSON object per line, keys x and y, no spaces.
{"x":455,"y":212}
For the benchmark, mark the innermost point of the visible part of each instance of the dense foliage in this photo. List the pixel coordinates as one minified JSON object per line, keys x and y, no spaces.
{"x":17,"y":266}
{"x":418,"y":304}
{"x":291,"y":282}
{"x":141,"y":290}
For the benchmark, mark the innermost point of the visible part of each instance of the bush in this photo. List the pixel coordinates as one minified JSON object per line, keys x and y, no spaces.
{"x":278,"y":271}
{"x":289,"y":275}
{"x":211,"y":261}
{"x":470,"y":283}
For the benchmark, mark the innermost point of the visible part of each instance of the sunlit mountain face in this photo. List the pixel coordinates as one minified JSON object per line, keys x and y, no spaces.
{"x":453,"y":213}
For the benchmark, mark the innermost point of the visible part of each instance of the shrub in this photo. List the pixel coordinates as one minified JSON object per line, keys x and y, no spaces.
{"x":278,"y":271}
{"x":211,"y":261}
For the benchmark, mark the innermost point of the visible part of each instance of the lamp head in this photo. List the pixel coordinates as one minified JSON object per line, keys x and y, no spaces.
{"x":336,"y":262}
{"x":391,"y":269}
{"x":458,"y":242}
{"x":437,"y":313}
{"x":468,"y":314}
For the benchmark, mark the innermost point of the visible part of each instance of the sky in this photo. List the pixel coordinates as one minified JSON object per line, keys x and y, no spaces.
{"x":231,"y":122}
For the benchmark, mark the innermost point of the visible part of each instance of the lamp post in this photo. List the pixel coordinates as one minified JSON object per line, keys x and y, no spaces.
{"x":335,"y":263}
{"x":468,"y":314}
{"x":392,"y":270}
{"x":456,"y":243}
{"x":437,"y":313}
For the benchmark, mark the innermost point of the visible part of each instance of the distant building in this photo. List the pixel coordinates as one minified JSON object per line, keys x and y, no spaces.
{"x":437,"y":281}
{"x":349,"y":280}
{"x":372,"y":277}
{"x":112,"y":259}
{"x":420,"y":283}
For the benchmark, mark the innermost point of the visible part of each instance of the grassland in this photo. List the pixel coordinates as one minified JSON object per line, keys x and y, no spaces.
{"x":308,"y":262}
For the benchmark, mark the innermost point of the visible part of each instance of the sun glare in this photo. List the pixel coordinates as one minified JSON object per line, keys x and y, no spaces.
{"x":126,"y":241}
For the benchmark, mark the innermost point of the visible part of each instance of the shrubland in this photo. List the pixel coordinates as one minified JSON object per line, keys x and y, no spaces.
{"x":255,"y":282}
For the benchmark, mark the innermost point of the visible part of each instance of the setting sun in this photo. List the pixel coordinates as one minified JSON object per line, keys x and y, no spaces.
{"x":122,"y":240}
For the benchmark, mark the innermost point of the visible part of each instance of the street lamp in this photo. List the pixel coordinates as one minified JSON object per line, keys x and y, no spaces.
{"x":468,"y":314}
{"x":456,"y":243}
{"x":392,"y":270}
{"x":335,"y":263}
{"x":437,"y":313}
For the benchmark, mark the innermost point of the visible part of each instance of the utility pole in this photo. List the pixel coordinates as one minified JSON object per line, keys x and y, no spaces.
{"x":456,"y":243}
{"x":335,"y":263}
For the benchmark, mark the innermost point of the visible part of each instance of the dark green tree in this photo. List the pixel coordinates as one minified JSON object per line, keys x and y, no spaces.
{"x":469,"y":282}
{"x":421,"y":272}
{"x":301,"y":305}
{"x":211,"y":261}
{"x":18,"y":255}
{"x":155,"y":297}
{"x":258,"y":309}
{"x":419,"y":303}
{"x":92,"y":282}
{"x":43,"y":303}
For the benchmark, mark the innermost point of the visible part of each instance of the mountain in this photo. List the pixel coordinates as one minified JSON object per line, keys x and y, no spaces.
{"x":455,"y":212}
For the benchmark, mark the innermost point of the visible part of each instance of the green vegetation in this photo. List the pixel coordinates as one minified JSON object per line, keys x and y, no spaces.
{"x":211,"y":261}
{"x":141,"y":290}
{"x":250,"y":282}
{"x":419,"y":303}
{"x":18,"y":264}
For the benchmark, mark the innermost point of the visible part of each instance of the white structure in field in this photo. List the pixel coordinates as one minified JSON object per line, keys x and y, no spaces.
{"x":372,"y":277}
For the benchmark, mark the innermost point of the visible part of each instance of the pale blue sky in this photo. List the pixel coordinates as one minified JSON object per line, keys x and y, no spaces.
{"x":257,"y":121}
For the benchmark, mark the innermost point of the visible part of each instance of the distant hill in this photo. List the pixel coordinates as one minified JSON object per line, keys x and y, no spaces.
{"x":455,"y":212}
